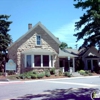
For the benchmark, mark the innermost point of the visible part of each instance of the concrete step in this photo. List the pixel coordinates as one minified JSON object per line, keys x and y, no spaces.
{"x":76,"y":74}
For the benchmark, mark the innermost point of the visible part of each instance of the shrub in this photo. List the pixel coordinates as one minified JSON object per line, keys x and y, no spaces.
{"x":22,"y":76}
{"x":34,"y":76}
{"x":34,"y":72}
{"x":28,"y":76}
{"x":87,"y":72}
{"x":60,"y":72}
{"x":10,"y":72}
{"x":40,"y":75}
{"x":82,"y":72}
{"x":52,"y":71}
{"x":47,"y":74}
{"x":67,"y":74}
{"x":90,"y":74}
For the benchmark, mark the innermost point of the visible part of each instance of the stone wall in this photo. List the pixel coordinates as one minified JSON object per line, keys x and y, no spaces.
{"x":29,"y":42}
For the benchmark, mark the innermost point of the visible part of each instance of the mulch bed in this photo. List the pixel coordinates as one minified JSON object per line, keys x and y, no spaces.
{"x":51,"y":77}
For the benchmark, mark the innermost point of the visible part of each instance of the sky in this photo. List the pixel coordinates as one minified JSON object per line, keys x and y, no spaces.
{"x":58,"y":16}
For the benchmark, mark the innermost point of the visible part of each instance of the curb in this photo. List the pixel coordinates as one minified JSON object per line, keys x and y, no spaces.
{"x":27,"y":81}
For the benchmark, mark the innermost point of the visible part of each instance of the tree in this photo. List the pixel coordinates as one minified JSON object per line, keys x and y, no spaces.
{"x":90,"y":21}
{"x":64,"y":45}
{"x":5,"y":38}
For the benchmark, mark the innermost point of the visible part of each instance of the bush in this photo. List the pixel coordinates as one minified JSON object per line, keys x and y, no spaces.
{"x":34,"y":72}
{"x":22,"y":76}
{"x":90,"y":74}
{"x":47,"y":74}
{"x":10,"y":72}
{"x":87,"y":72}
{"x":40,"y":75}
{"x":67,"y":74}
{"x":82,"y":72}
{"x":52,"y":71}
{"x":60,"y":72}
{"x":28,"y":76}
{"x":34,"y":76}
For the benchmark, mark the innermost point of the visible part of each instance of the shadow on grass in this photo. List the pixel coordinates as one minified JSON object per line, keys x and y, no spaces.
{"x":60,"y":94}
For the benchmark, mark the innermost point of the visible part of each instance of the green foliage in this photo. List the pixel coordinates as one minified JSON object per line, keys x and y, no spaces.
{"x":22,"y":76}
{"x":34,"y":76}
{"x":10,"y":72}
{"x":52,"y":71}
{"x":34,"y":72}
{"x":28,"y":76}
{"x":47,"y":74}
{"x":60,"y":72}
{"x":82,"y":72}
{"x":5,"y":38}
{"x":67,"y":74}
{"x":85,"y":73}
{"x":89,"y":23}
{"x":40,"y":75}
{"x":64,"y":45}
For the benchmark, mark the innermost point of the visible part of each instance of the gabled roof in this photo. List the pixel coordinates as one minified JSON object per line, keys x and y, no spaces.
{"x":44,"y":28}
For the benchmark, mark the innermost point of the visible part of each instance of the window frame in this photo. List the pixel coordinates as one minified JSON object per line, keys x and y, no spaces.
{"x":35,"y":58}
{"x":38,"y":40}
{"x":29,"y":60}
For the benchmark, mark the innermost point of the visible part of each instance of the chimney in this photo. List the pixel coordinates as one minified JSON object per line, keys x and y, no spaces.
{"x":29,"y":26}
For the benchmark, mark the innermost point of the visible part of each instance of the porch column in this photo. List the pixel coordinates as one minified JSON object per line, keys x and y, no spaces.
{"x":32,"y":60}
{"x":41,"y":60}
{"x":49,"y":60}
{"x":73,"y":64}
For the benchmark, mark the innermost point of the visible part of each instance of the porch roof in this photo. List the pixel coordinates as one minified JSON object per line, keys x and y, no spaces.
{"x":65,"y":54}
{"x":37,"y":51}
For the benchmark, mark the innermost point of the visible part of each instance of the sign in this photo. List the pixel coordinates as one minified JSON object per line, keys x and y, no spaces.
{"x":10,"y":65}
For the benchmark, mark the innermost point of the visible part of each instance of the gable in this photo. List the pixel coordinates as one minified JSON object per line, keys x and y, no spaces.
{"x":32,"y":31}
{"x":91,"y":52}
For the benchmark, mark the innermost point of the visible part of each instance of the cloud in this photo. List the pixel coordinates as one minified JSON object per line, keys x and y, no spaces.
{"x":65,"y":34}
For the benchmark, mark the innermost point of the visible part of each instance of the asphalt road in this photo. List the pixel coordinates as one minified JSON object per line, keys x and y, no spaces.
{"x":59,"y":89}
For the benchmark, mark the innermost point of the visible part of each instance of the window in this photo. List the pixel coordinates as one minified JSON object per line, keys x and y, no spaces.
{"x":37,"y":60}
{"x":28,"y":61}
{"x":38,"y":40}
{"x":45,"y":60}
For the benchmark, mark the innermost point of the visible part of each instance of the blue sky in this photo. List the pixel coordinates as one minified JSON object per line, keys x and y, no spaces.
{"x":58,"y":16}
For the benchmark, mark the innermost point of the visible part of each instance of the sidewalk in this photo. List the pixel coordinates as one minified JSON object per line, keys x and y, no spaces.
{"x":32,"y":80}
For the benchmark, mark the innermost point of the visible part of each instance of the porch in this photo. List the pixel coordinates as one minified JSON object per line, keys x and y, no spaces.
{"x":67,"y":60}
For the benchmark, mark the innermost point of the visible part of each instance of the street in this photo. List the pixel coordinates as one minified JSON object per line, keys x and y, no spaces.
{"x":56,"y":89}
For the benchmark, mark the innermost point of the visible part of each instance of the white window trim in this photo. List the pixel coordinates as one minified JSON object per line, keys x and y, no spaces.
{"x":36,"y":40}
{"x":41,"y":60}
{"x":49,"y":60}
{"x":33,"y":64}
{"x":32,"y":61}
{"x":26,"y":60}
